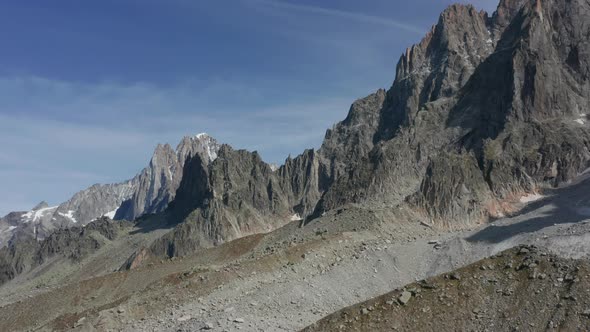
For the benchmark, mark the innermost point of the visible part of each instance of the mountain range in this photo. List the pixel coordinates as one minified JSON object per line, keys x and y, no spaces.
{"x":484,"y":128}
{"x":482,"y":112}
{"x":148,"y":192}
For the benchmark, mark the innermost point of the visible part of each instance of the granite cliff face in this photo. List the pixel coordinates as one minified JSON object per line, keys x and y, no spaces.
{"x":521,"y":118}
{"x":483,"y":110}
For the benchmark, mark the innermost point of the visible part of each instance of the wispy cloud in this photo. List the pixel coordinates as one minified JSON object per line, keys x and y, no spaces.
{"x":65,"y":119}
{"x":342,"y":14}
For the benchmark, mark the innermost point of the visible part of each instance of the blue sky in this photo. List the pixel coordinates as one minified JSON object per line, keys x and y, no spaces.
{"x":88,"y":88}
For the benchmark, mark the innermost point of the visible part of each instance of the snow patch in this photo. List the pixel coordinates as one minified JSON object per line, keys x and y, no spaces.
{"x":208,"y":144}
{"x":211,"y":152}
{"x":201,"y":135}
{"x":111,"y":214}
{"x":296,"y":217}
{"x":69,"y":215}
{"x":169,"y":173}
{"x":530,"y":198}
{"x":35,"y":215}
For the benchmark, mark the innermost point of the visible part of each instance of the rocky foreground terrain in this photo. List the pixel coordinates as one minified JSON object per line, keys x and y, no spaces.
{"x":524,"y":288}
{"x":482,"y":144}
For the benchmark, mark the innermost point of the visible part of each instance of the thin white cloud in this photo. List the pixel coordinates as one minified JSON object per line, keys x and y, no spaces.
{"x":358,"y":17}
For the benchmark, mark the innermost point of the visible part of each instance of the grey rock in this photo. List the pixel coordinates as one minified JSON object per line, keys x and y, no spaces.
{"x":404,"y":298}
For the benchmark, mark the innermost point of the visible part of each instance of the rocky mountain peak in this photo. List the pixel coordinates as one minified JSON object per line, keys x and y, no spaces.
{"x":470,"y":87}
{"x":157,"y":184}
{"x":162,"y":155}
{"x":438,"y":66}
{"x":507,"y":10}
{"x":201,"y":143}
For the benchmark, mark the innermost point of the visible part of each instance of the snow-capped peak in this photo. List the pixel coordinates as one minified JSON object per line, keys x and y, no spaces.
{"x":209,"y":144}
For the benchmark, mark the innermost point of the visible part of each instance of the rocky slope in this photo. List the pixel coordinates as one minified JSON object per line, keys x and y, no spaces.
{"x":72,"y":244}
{"x":524,"y":288}
{"x":148,"y":192}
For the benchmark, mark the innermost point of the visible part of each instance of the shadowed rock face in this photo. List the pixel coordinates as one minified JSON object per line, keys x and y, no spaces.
{"x":236,"y":195}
